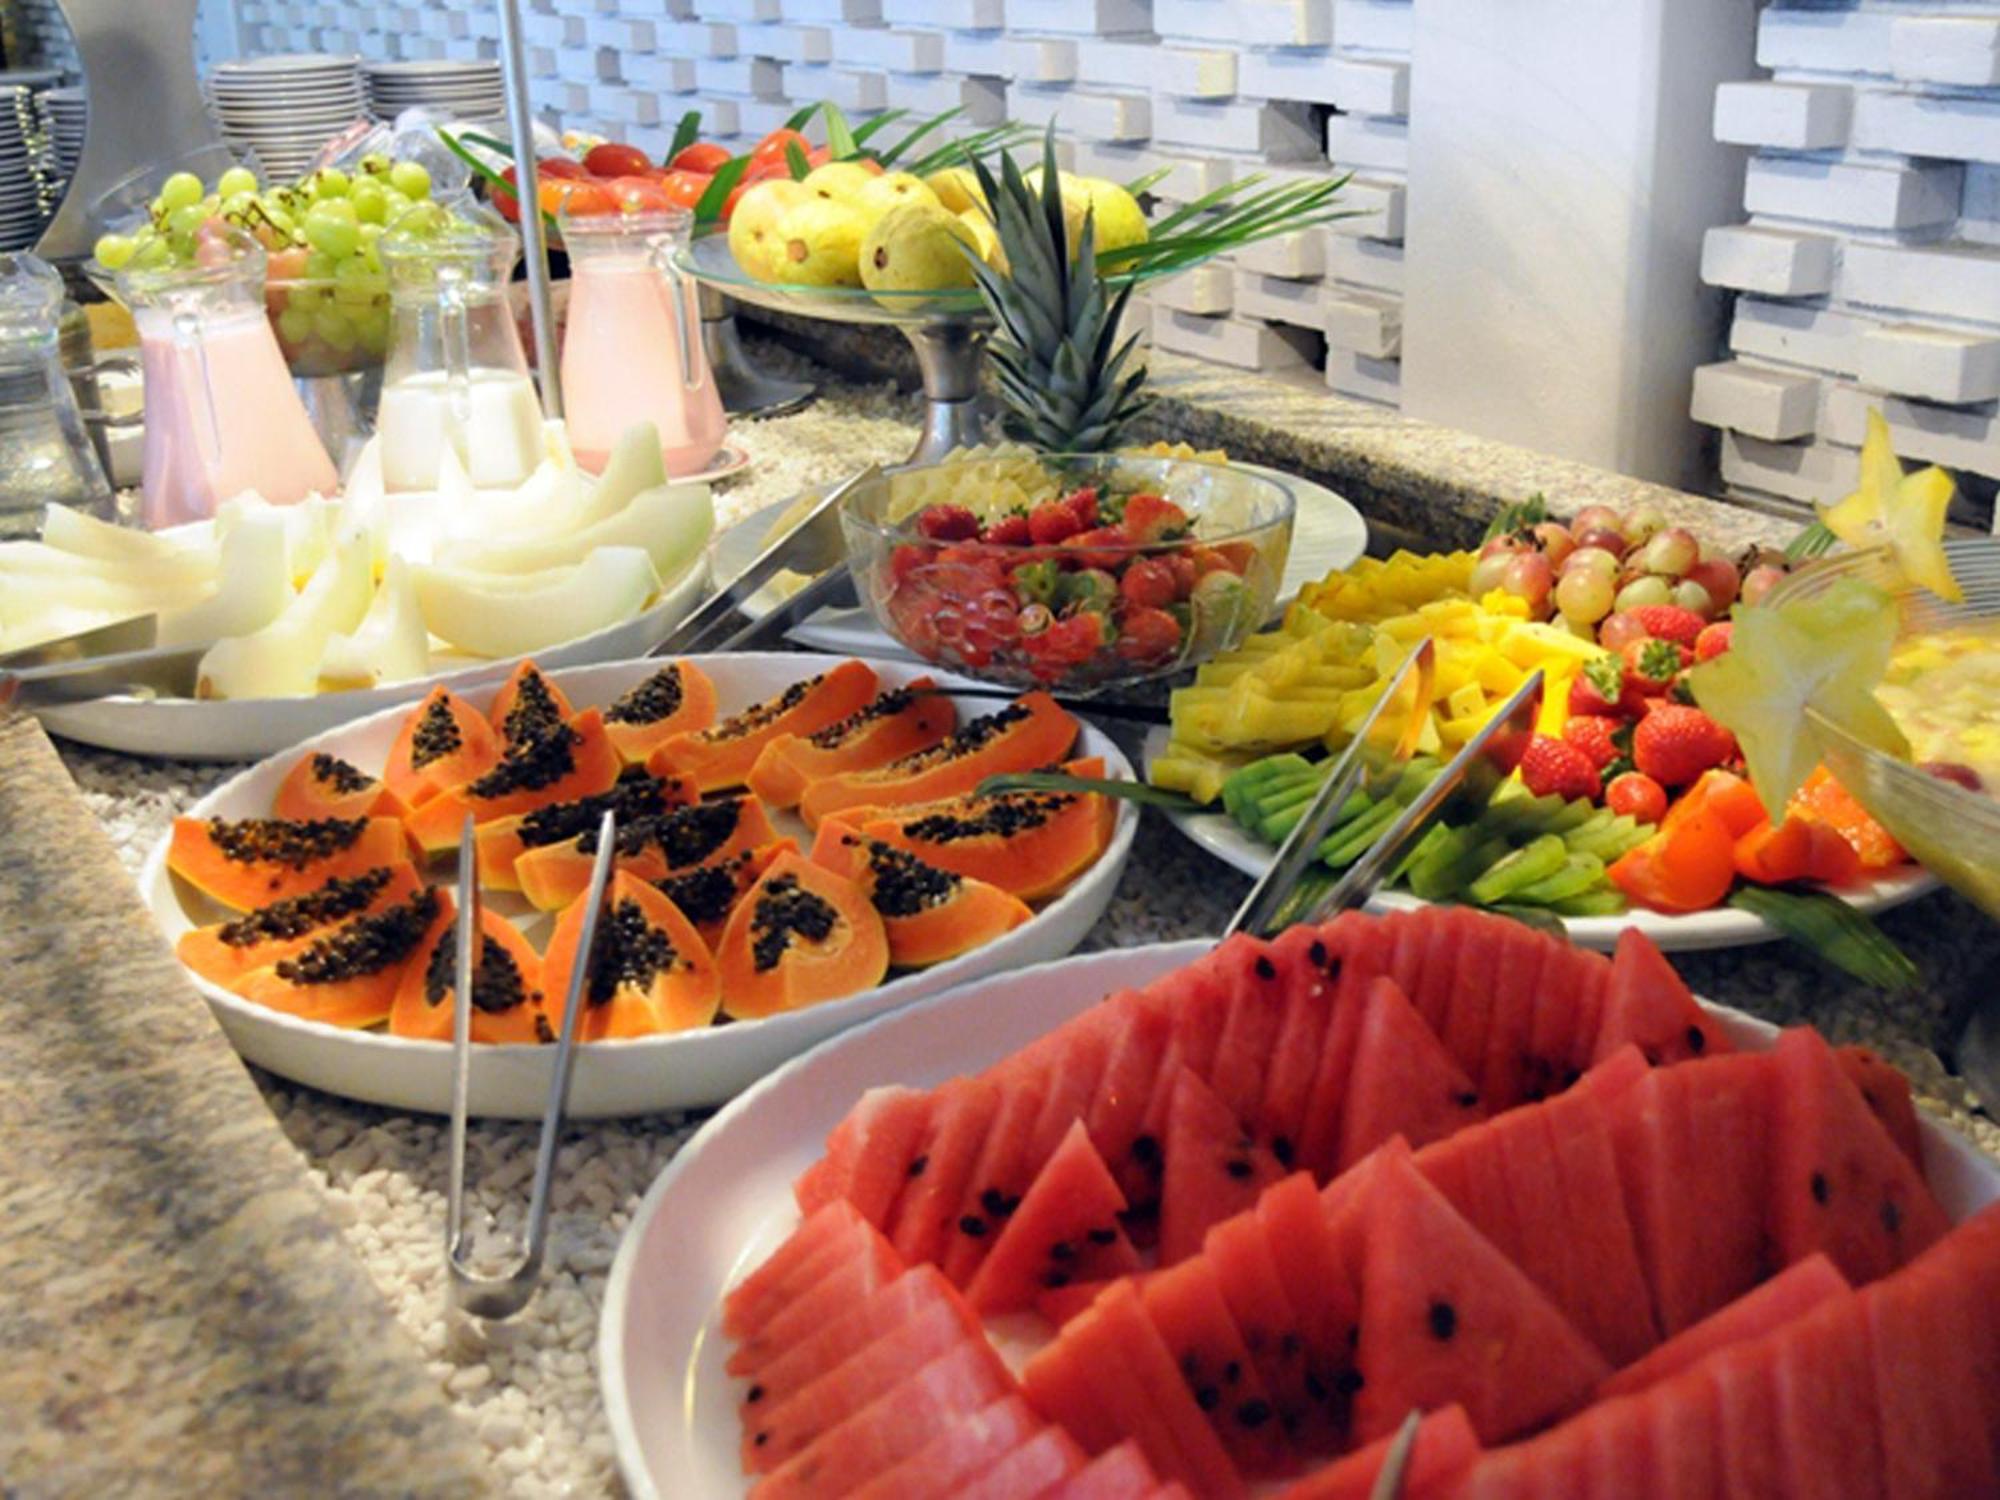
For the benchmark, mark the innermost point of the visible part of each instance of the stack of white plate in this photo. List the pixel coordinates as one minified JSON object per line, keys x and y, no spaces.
{"x":67,"y":114}
{"x":461,"y":90}
{"x":282,"y":110}
{"x":23,"y":207}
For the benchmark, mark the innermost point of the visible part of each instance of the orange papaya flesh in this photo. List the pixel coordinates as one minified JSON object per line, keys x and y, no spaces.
{"x":721,"y":755}
{"x":528,"y":706}
{"x":252,"y":862}
{"x":325,"y":786}
{"x":707,"y":894}
{"x":349,"y":976}
{"x":224,"y":952}
{"x":1029,"y":844}
{"x":565,"y":763}
{"x":649,"y":972}
{"x":502,"y":841}
{"x":678,"y":699}
{"x":928,"y":914}
{"x":1031,"y":731}
{"x":803,"y":935}
{"x":506,"y":983}
{"x":899,"y":722}
{"x":444,"y":743}
{"x":1090,"y":766}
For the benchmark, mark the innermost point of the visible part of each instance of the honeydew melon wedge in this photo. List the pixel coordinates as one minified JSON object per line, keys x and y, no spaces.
{"x":282,"y":659}
{"x":496,"y":616}
{"x":391,"y":644}
{"x":254,"y":585}
{"x":635,"y":466}
{"x":124,"y":547}
{"x":672,"y":522}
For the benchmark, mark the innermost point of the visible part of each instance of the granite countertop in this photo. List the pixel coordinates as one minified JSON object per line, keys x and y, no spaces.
{"x":184,"y":1260}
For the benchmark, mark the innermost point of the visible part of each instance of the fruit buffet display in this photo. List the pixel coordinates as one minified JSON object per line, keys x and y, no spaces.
{"x":323,"y":910}
{"x":1234,"y":1227}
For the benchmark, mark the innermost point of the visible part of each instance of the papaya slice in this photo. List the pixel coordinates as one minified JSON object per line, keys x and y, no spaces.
{"x":252,"y":862}
{"x":651,"y":848}
{"x":325,"y":786}
{"x":929,"y":914}
{"x":349,"y":976}
{"x":803,"y":935}
{"x":444,"y":744}
{"x":649,"y":972}
{"x":899,"y":722}
{"x":226,"y":951}
{"x":502,"y":841}
{"x":721,"y":755}
{"x":708,"y":894}
{"x":506,"y":983}
{"x":1029,"y":732}
{"x":677,"y":699}
{"x":561,"y":764}
{"x":1030,"y":844}
{"x":528,"y":705}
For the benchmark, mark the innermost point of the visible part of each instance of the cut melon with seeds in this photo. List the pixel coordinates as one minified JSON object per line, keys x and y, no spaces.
{"x":320,"y":785}
{"x":506,"y":984}
{"x":1065,"y":1230}
{"x":443,"y":744}
{"x":225,"y":951}
{"x":722,"y":754}
{"x":575,"y":760}
{"x":929,"y":914}
{"x":900,"y":722}
{"x":649,"y":971}
{"x":251,"y":862}
{"x":348,"y":977}
{"x":677,"y":699}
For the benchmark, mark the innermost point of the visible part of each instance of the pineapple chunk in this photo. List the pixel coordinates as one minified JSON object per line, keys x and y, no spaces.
{"x":1467,"y":700}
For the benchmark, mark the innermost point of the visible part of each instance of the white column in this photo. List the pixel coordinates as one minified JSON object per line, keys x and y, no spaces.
{"x":1563,"y":173}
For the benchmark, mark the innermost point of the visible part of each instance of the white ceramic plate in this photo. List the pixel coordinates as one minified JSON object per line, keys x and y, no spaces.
{"x":1328,"y":534}
{"x":242,"y":728}
{"x":1721,"y":927}
{"x":725,"y":1201}
{"x":612,"y":1078}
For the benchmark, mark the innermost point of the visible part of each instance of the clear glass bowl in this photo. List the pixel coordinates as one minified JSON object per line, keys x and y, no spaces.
{"x":1094,"y":612}
{"x":1953,"y":830}
{"x":361,"y":346}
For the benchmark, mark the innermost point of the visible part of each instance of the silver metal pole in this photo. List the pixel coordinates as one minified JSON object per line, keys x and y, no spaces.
{"x":521,"y":132}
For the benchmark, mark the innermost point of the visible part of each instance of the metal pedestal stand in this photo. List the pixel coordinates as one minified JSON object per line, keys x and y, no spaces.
{"x":949,"y":353}
{"x":746,"y":391}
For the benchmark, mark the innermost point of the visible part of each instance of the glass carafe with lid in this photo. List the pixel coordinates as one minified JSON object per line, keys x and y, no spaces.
{"x":45,"y":455}
{"x":632,"y":347}
{"x":222,"y":415}
{"x":455,"y":375}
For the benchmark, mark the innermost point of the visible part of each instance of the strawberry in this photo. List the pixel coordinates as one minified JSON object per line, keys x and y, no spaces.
{"x":1149,"y":582}
{"x":1074,"y":639}
{"x":1148,"y":635}
{"x":1713,"y":640}
{"x":1653,"y":664}
{"x":947,"y":523}
{"x":1553,"y":766}
{"x":1599,"y":689}
{"x":1010,"y":530}
{"x":1052,"y":522}
{"x":1152,"y":518}
{"x":1592,"y":734}
{"x":1083,"y":505}
{"x":1638,"y":796}
{"x":908,"y":558}
{"x":1669,"y":622}
{"x":1184,"y":571}
{"x":1674,"y":744}
{"x":1108,"y":543}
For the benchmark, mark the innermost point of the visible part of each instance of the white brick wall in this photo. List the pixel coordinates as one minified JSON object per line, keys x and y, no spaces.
{"x":1869,"y":271}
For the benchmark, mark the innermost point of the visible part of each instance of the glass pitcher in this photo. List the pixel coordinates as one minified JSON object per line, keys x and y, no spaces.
{"x":222,"y":415}
{"x":45,"y":455}
{"x":455,"y":374}
{"x":632,"y":347}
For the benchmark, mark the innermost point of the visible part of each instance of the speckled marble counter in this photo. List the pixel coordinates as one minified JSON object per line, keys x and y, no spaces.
{"x":527,"y":1392}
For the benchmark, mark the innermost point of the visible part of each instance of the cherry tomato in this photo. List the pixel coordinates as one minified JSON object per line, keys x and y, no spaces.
{"x":576,"y":198}
{"x":561,"y":166}
{"x":615,"y":160}
{"x":684,"y":189}
{"x":638,"y":195}
{"x":703,"y":156}
{"x":771,"y":150}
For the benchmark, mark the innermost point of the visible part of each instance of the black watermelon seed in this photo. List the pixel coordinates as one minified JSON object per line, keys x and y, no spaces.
{"x":1231,"y":1373}
{"x":1350,"y":1382}
{"x":1821,"y":1190}
{"x":1466,"y":1100}
{"x":1265,"y":968}
{"x":1102,"y":1236}
{"x":973,"y":1225}
{"x":1254,"y":1414}
{"x":1146,"y":1151}
{"x":1444,"y":1320}
{"x":1290,"y":1345}
{"x":1208,"y":1398}
{"x":1062,"y":1250}
{"x":754,"y":1394}
{"x":1697,"y":1039}
{"x":762,"y":1438}
{"x":1317,"y":953}
{"x":1892,"y":1217}
{"x":994,"y":1202}
{"x":1055,"y":1280}
{"x":1281,"y":1147}
{"x":917,"y":1166}
{"x":1238,"y":1168}
{"x":1316,"y":1388}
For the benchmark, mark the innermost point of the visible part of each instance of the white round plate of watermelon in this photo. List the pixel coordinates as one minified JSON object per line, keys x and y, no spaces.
{"x":726,"y":1202}
{"x":1719,"y":927}
{"x":623,"y":1077}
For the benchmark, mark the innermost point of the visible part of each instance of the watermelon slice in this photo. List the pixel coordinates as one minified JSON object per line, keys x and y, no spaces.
{"x":1504,"y":1076}
{"x":1967,"y":1264}
{"x":1046,"y":1459}
{"x":1258,"y":1001}
{"x":1838,"y":1182}
{"x":1447,"y":1318}
{"x":1828,"y":1429}
{"x":1065,"y":1230}
{"x":1786,"y":1297}
{"x":1308,"y":971}
{"x":1691,"y":1147}
{"x":1886,"y":1092}
{"x":923,"y":1220}
{"x":842,"y":1337}
{"x":1569,"y":1012}
{"x":1120,"y":1473}
{"x":1108,"y":1377}
{"x":854,"y":1279}
{"x":1415,"y":959}
{"x":1199,"y":999}
{"x":1275,"y":1335}
{"x":868,"y":1154}
{"x":1743,"y":1387}
{"x":1063,"y":1303}
{"x":1187,"y":1307}
{"x":999,"y":1176}
{"x":1680,"y":1441}
{"x":1214,"y":1170}
{"x":1648,"y":1004}
{"x":1403,"y":1081}
{"x":1117,"y":1111}
{"x":1445,"y":1447}
{"x":967,"y":1448}
{"x":776,"y":1280}
{"x":1074,"y":1077}
{"x":1469,"y":967}
{"x":1360,"y":949}
{"x":1935,"y":1429}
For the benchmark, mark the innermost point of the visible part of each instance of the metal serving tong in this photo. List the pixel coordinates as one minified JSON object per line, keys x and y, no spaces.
{"x":1396,"y":1462}
{"x":488,"y":1294}
{"x":117,"y":658}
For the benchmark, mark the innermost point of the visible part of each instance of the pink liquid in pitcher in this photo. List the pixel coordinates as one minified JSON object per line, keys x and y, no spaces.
{"x":222,"y":417}
{"x":621,"y":364}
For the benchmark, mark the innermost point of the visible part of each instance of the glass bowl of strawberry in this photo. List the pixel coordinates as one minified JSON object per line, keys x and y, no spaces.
{"x":1077,"y":572}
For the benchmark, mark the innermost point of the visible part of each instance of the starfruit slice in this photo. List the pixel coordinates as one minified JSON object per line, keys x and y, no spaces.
{"x":1903,"y":512}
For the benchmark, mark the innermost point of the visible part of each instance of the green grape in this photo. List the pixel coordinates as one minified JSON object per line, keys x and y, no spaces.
{"x":330,"y":182}
{"x":153,"y":255}
{"x":423,"y":222}
{"x":374,"y":164}
{"x":335,"y":328}
{"x":237,"y":205}
{"x":115,"y":250}
{"x":187,"y":221}
{"x":331,"y":234}
{"x":354,"y":285}
{"x":371,"y":204}
{"x":373,"y":327}
{"x":236,"y":180}
{"x":295,"y":323}
{"x":179,"y":191}
{"x":338,"y":208}
{"x":320,"y":265}
{"x":306,"y":300}
{"x":371,"y":248}
{"x":394,"y":205}
{"x":157,"y":208}
{"x":409,"y":177}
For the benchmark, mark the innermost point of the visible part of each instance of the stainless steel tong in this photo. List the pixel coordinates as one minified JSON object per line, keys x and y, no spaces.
{"x":1396,"y":1462}
{"x":496,"y":1295}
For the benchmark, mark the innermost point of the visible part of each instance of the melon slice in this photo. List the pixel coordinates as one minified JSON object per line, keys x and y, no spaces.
{"x":823,"y":1349}
{"x":1445,"y":1447}
{"x":389,"y":645}
{"x":1214,"y":1170}
{"x":347,"y":977}
{"x":573,"y":761}
{"x":749,"y":1304}
{"x":709,"y":894}
{"x":721,"y":755}
{"x":1074,"y":1074}
{"x":1403,"y":1081}
{"x":1064,"y":1231}
{"x":840,"y":1280}
{"x":1000,"y":1174}
{"x":251,"y":862}
{"x":677,"y":699}
{"x":668,"y":524}
{"x":1827,"y":1400}
{"x":802,"y":935}
{"x":634,"y":465}
{"x":224,"y":952}
{"x":501,"y":615}
{"x":900,"y":722}
{"x":507,"y":999}
{"x":444,"y":743}
{"x":281,"y":659}
{"x":1650,"y":1005}
{"x":1359,"y":947}
{"x":69,"y":530}
{"x":1886,"y":1092}
{"x":1505,"y":1076}
{"x":969,"y":1447}
{"x":1246,"y":1047}
{"x":1274,"y":1333}
{"x":320,"y":785}
{"x":1308,"y":976}
{"x":921,"y":1221}
{"x":1569,"y":1013}
{"x":1030,"y":1471}
{"x":868,"y":1155}
{"x":1470,"y":966}
{"x":253,"y":586}
{"x":1321,"y":1284}
{"x":649,"y":971}
{"x":930,"y":915}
